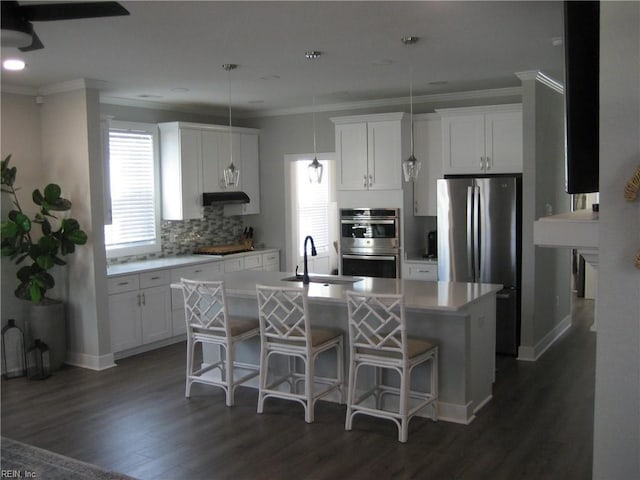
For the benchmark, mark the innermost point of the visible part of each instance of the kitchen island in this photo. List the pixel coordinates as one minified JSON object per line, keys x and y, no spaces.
{"x":459,"y":316}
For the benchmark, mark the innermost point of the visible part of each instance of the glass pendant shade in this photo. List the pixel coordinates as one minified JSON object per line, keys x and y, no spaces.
{"x":231,"y":176}
{"x":411,"y":168}
{"x":315,"y":171}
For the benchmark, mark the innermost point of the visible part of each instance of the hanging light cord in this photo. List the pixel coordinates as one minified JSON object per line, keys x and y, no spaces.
{"x":411,"y":99}
{"x":229,"y":68}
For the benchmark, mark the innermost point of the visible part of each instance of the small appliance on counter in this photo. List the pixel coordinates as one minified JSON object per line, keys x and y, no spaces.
{"x":432,"y":245}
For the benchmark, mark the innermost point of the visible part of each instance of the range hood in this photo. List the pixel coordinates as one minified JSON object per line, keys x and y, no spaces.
{"x":221,"y":198}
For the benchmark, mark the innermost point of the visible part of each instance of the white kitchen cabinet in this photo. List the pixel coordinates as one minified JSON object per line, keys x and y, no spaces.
{"x":193,"y":158}
{"x":271,"y":261}
{"x":420,"y":270}
{"x":139,"y":309}
{"x":482,"y":140}
{"x":245,"y":157}
{"x":181,"y":167}
{"x":427,"y":132}
{"x":370,"y":150}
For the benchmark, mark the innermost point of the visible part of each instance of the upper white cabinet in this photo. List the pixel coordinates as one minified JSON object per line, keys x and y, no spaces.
{"x":193,"y":158}
{"x":482,"y":140}
{"x":245,"y":157}
{"x":370,"y":149}
{"x":427,"y":144}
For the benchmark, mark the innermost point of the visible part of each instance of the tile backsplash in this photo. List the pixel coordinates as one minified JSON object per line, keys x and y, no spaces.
{"x":181,"y":237}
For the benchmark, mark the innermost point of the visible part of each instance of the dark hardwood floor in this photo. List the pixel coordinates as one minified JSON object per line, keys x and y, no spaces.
{"x":135,"y":419}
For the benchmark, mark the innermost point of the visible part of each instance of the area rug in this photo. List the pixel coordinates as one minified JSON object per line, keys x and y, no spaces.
{"x":20,"y":460}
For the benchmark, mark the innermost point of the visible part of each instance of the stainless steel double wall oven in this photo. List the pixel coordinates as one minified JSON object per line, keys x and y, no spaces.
{"x":370,"y":242}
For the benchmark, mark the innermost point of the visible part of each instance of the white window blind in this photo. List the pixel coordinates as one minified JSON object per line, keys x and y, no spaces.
{"x":134,"y":191}
{"x":312,"y":201}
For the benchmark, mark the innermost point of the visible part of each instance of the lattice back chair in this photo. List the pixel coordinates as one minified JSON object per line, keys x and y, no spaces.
{"x":208,"y":322}
{"x":378,"y":338}
{"x":285,"y":330}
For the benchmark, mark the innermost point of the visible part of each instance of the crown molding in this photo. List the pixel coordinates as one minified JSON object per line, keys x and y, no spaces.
{"x":19,"y":90}
{"x":154,"y":105}
{"x":541,"y":77}
{"x":387,"y":102}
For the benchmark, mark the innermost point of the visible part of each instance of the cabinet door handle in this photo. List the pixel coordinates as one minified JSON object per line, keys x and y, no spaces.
{"x":488,"y":163}
{"x":144,"y":300}
{"x":139,"y":297}
{"x":364,"y":180}
{"x":370,"y":180}
{"x":482,"y":163}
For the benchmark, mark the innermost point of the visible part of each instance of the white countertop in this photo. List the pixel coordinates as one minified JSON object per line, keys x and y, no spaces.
{"x":171,"y":262}
{"x":420,"y":295}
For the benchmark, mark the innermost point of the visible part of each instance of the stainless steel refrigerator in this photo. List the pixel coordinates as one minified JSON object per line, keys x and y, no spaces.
{"x":479,"y":240}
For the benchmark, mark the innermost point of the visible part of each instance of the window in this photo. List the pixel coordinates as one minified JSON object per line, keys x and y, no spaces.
{"x":313,"y":212}
{"x":134,"y":180}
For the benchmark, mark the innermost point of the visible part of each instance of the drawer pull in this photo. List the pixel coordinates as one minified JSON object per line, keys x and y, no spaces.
{"x":155,"y":278}
{"x":120,"y":284}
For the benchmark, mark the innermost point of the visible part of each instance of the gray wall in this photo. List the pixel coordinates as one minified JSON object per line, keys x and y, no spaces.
{"x":616,"y":452}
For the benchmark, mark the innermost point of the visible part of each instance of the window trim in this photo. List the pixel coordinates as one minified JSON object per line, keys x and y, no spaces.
{"x":156,"y":246}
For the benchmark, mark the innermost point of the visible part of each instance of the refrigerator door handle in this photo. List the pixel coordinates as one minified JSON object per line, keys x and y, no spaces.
{"x":470,"y":233}
{"x":476,"y":234}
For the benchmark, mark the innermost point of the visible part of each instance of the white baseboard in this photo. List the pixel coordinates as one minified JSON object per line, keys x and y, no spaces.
{"x":531,"y":354}
{"x":91,"y":362}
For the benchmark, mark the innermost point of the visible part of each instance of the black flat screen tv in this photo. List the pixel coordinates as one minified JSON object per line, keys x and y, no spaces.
{"x":582,"y":60}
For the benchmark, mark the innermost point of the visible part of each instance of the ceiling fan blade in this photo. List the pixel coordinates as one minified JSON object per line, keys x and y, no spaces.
{"x":36,"y":44}
{"x":71,"y":11}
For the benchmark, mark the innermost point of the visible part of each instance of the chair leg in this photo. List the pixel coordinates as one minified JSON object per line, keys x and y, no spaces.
{"x":229,"y":373}
{"x":404,"y":404}
{"x":190,"y":355}
{"x":340,"y":367}
{"x":351,"y":387}
{"x":309,"y":388}
{"x":434,"y":386}
{"x":264,"y":369}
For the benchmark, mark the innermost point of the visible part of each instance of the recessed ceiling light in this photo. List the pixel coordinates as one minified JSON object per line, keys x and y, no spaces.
{"x":556,"y":41}
{"x":13,"y":64}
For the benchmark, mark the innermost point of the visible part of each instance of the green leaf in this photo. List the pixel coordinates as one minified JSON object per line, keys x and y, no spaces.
{"x":45,"y":262}
{"x":37,"y":197}
{"x":52,"y":192}
{"x":9,"y":230}
{"x":35,"y":292}
{"x":46,"y":227}
{"x":23,"y":222}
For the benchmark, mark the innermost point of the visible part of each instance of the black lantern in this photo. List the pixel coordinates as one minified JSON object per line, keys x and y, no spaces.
{"x":14,"y":360}
{"x":39,"y":361}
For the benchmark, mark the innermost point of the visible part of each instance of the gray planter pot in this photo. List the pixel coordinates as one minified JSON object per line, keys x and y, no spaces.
{"x":47,"y":322}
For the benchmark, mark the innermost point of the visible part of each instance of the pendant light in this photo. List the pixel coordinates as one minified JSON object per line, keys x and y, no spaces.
{"x":231,"y":173}
{"x":315,"y":168}
{"x":411,"y":166}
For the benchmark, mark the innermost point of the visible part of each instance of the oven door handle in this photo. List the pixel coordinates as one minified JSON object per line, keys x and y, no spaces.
{"x":366,"y":222}
{"x":369,"y":257}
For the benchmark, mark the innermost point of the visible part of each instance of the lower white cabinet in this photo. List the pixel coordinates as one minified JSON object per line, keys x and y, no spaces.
{"x":271,"y":262}
{"x":418,"y":270}
{"x":139,"y":309}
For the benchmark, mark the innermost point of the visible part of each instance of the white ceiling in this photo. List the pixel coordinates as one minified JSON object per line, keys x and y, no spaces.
{"x":174,"y":51}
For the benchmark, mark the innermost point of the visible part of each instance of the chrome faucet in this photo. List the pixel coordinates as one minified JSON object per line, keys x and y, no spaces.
{"x":305,"y":276}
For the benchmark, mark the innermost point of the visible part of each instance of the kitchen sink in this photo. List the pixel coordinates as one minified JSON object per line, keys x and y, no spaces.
{"x":325,"y":279}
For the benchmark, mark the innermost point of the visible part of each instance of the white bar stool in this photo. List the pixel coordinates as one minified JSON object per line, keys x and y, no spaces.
{"x":208,"y":321}
{"x":378,"y":338}
{"x":285,"y":330}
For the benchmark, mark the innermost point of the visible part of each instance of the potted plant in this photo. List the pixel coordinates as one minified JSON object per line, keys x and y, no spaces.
{"x":39,"y":252}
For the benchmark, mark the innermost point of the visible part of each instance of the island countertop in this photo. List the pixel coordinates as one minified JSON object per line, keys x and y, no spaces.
{"x":419,"y":295}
